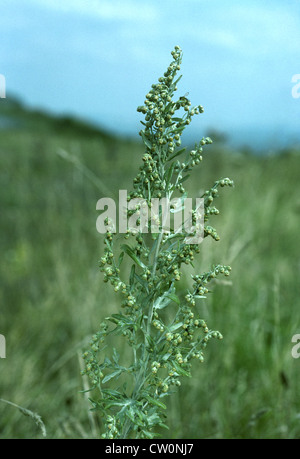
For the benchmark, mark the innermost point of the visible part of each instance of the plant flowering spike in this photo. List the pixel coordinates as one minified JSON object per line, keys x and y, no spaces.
{"x":129,"y":392}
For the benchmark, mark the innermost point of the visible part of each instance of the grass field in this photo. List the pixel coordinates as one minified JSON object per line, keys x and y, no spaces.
{"x":53,"y":297}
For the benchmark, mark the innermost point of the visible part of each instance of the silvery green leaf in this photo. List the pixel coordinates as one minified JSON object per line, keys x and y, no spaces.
{"x":145,"y":140}
{"x":131,"y":277}
{"x":174,"y":297}
{"x":166,"y":356}
{"x":142,"y":282}
{"x":175,"y":326}
{"x":121,"y":256}
{"x":132,"y":255}
{"x":112,"y":375}
{"x":177,"y":153}
{"x":156,"y":402}
{"x":180,"y":370}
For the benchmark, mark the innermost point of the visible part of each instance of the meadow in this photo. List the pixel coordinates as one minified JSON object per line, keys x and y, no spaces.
{"x":53,"y":297}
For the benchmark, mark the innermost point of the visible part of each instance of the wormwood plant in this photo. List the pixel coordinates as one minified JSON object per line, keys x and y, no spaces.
{"x":158,"y":323}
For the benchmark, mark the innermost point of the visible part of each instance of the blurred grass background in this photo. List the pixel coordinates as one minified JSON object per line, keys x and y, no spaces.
{"x":53,"y":296}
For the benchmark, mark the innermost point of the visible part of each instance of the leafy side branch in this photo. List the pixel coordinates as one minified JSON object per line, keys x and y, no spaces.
{"x":158,"y":323}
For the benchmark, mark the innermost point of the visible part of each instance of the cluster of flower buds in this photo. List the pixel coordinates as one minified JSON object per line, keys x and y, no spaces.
{"x":200,"y":281}
{"x":162,"y":130}
{"x":111,"y":428}
{"x":211,"y":194}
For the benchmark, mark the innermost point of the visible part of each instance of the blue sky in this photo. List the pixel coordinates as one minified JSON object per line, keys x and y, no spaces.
{"x":96,"y":59}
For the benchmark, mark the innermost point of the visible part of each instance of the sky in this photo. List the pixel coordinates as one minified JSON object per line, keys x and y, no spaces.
{"x":97,"y":59}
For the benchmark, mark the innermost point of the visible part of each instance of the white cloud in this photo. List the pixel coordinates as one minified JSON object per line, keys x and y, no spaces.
{"x":249,"y":28}
{"x":103,"y":9}
{"x":262,"y":28}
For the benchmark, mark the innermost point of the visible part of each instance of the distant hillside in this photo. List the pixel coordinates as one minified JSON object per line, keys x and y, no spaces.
{"x":258,"y":140}
{"x":15,"y":115}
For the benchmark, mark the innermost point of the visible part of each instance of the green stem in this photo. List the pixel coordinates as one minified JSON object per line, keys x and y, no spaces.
{"x":145,"y":357}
